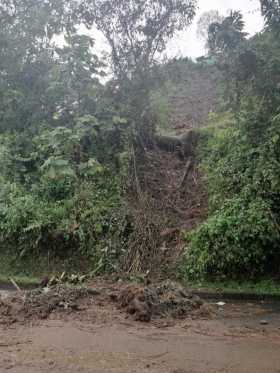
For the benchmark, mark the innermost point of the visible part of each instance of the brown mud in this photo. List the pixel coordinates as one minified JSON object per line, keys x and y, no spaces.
{"x":139,"y":302}
{"x":101,"y":336}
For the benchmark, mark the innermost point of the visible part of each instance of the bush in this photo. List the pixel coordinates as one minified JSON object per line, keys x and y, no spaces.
{"x":239,"y":240}
{"x":60,"y":202}
{"x":241,"y":164}
{"x":88,"y":225}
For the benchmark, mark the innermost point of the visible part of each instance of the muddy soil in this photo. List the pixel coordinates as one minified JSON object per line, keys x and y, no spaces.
{"x":125,"y":346}
{"x":138,"y":301}
{"x":102,"y":337}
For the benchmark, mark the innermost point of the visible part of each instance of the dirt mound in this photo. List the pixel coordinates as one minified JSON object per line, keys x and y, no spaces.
{"x":40,"y":303}
{"x":145,"y":303}
{"x":164,"y":300}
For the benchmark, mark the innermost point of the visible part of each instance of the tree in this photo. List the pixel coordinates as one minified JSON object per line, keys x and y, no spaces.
{"x":235,"y":57}
{"x":241,"y":238}
{"x":271,"y":11}
{"x":205,"y":20}
{"x":61,"y":141}
{"x":40,"y":82}
{"x":75,"y":76}
{"x":137,"y":30}
{"x":226,"y":36}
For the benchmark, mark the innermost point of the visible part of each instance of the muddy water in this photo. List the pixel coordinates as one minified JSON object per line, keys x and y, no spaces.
{"x":200,"y":347}
{"x":7,"y":287}
{"x":4,"y":286}
{"x":5,"y":290}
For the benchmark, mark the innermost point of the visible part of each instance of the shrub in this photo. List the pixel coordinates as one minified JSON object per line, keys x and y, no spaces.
{"x":60,"y":202}
{"x":240,"y":240}
{"x":241,"y":164}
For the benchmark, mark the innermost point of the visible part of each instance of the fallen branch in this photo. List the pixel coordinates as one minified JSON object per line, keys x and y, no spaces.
{"x":189,"y":166}
{"x":15,"y":284}
{"x":194,"y":179}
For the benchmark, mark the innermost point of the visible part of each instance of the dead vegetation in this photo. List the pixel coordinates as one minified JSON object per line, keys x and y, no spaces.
{"x":167,"y":195}
{"x":170,"y":198}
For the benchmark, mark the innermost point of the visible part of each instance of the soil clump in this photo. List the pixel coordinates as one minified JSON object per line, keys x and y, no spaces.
{"x":143,"y":303}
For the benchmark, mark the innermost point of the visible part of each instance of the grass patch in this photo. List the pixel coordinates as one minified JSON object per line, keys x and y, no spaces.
{"x":261,"y":287}
{"x":30,"y":271}
{"x":20,"y":280}
{"x":20,"y":272}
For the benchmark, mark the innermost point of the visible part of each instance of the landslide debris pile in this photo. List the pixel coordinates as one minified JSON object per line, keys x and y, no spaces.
{"x":143,"y":303}
{"x":40,"y":303}
{"x":167,"y":299}
{"x":171,"y":203}
{"x":184,"y":202}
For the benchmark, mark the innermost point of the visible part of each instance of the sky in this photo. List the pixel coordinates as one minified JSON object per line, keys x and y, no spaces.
{"x":188,"y":44}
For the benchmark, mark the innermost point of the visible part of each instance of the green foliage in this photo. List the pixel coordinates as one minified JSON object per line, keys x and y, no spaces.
{"x":206,"y":19}
{"x":61,"y":201}
{"x":271,"y":11}
{"x":259,"y":289}
{"x":241,"y":236}
{"x":160,"y":109}
{"x":88,"y":224}
{"x":239,"y":240}
{"x":137,"y":30}
{"x":226,"y":34}
{"x":64,"y":138}
{"x":39,"y":81}
{"x":240,"y":158}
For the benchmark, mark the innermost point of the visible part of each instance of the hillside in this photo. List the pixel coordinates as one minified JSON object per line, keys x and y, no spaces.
{"x":174,"y":196}
{"x":192,"y":93}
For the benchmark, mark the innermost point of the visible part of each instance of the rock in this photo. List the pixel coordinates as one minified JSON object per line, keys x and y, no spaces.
{"x":11,"y":366}
{"x":93,"y":291}
{"x":264,"y":322}
{"x":45,"y":281}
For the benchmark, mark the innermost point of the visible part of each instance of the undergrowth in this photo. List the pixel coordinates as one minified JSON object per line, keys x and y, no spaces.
{"x":60,"y":204}
{"x":240,"y":158}
{"x":240,"y":239}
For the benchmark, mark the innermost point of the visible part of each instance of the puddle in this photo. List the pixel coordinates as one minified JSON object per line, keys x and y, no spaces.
{"x":7,"y":288}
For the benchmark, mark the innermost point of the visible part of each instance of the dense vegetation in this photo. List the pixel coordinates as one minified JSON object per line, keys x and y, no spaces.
{"x":75,"y":128}
{"x":59,"y":189}
{"x":68,"y":131}
{"x":240,"y":156}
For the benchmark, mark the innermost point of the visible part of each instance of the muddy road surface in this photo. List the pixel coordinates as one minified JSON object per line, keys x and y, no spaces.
{"x":99,"y":337}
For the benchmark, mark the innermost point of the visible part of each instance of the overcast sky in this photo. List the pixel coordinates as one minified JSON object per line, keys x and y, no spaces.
{"x":188,"y":44}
